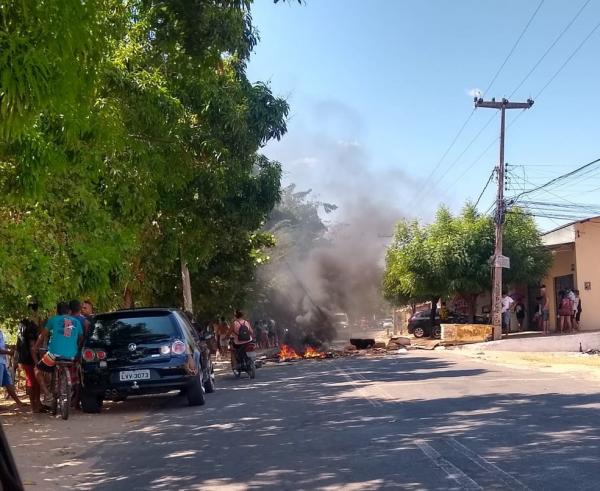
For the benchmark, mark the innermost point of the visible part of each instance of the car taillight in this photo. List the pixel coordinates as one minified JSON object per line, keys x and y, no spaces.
{"x":178,"y":348}
{"x":88,"y":354}
{"x":101,"y":354}
{"x":165,"y":350}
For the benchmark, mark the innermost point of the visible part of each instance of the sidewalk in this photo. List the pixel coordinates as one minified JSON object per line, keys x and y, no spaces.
{"x":536,"y":342}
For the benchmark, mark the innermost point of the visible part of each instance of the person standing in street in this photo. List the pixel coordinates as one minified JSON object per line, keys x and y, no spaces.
{"x":87,"y":310}
{"x":520,"y":313}
{"x":28,"y":356}
{"x":577,"y":310}
{"x":507,"y":302}
{"x":5,"y":379}
{"x":575,"y":302}
{"x":545,"y":309}
{"x":565,"y":311}
{"x":222,"y":337}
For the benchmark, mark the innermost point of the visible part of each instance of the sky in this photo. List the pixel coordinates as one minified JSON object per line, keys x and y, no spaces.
{"x":379,"y":89}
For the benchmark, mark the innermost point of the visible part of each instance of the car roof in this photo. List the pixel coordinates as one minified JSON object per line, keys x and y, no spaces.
{"x":139,"y":311}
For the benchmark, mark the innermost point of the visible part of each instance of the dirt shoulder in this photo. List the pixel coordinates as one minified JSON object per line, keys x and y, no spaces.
{"x":48,"y":450}
{"x":588,"y":365}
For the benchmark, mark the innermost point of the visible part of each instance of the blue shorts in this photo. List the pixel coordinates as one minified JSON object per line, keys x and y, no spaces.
{"x":5,"y":379}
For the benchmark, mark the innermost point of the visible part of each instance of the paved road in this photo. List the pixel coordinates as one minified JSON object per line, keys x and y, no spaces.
{"x":421,"y":420}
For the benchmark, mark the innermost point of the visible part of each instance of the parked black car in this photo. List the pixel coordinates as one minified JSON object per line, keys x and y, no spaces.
{"x":420,"y":323}
{"x":142,"y":351}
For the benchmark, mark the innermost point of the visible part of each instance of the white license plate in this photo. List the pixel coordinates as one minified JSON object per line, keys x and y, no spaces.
{"x":134,"y":375}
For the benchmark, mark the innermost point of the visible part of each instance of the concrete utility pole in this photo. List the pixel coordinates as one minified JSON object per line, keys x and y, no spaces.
{"x":499,"y":261}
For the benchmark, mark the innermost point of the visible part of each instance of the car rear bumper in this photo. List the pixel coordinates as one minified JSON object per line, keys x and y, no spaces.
{"x":162,"y":379}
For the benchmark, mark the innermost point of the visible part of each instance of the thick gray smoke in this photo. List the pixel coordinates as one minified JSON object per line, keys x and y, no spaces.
{"x":317,"y":271}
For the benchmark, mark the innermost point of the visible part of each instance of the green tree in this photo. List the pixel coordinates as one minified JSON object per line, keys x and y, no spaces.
{"x":452,"y":256}
{"x":151,"y":157}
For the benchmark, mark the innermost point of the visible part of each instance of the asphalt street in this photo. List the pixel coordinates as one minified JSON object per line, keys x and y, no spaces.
{"x":421,"y":420}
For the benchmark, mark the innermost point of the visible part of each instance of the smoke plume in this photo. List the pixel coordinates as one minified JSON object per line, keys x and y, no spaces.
{"x":317,"y":271}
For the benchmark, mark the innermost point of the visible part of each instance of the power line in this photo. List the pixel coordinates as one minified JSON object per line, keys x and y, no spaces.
{"x":468,"y":146}
{"x":512,"y":50}
{"x":463,"y":126}
{"x":447,"y":150}
{"x":484,"y":188}
{"x":558,"y":38}
{"x":559,"y":178}
{"x":569,"y":58}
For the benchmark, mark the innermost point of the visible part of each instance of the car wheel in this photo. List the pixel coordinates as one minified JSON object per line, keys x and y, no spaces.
{"x":418,"y":332}
{"x":195,"y":391}
{"x":91,"y":403}
{"x":437,"y":332}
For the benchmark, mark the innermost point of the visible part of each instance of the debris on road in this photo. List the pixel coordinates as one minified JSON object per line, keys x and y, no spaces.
{"x":362,"y":343}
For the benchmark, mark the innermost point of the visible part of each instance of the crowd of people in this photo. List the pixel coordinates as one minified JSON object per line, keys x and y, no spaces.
{"x":40,"y":343}
{"x":568,"y":308}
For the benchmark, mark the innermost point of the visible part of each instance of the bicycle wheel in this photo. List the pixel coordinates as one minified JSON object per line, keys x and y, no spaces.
{"x":54,"y":393}
{"x":64,"y":392}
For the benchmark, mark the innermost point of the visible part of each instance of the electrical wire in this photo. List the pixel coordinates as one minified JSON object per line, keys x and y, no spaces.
{"x":559,"y":178}
{"x":516,"y":43}
{"x":566,"y":62}
{"x":463,"y":126}
{"x":558,"y":38}
{"x":484,"y":188}
{"x":447,"y":151}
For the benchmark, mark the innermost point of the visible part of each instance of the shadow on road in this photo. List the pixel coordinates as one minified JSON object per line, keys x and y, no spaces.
{"x":351,"y":424}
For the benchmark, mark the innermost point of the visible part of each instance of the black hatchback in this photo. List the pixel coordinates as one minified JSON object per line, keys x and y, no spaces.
{"x":140,"y":351}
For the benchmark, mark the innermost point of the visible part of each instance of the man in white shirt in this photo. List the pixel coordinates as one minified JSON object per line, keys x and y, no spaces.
{"x":507,"y":303}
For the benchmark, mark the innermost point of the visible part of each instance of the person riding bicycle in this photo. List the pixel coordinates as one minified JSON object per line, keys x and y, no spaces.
{"x":242,"y":333}
{"x":66,"y":337}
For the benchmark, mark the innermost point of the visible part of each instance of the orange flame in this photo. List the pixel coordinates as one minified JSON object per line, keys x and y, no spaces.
{"x":312,"y":353}
{"x":287,"y":353}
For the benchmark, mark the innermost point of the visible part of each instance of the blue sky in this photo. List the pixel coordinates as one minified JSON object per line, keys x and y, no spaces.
{"x":379,"y":88}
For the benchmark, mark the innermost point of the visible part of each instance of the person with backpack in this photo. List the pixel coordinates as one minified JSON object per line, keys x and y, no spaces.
{"x":565,"y":311}
{"x":242,"y":333}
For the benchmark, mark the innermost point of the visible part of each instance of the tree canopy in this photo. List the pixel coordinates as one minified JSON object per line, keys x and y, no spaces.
{"x":452,"y":256}
{"x":130,"y":138}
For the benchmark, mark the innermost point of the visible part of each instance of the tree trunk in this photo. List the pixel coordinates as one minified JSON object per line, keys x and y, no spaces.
{"x":472,"y":299}
{"x":434,"y":301}
{"x":186,"y":287}
{"x":128,"y":298}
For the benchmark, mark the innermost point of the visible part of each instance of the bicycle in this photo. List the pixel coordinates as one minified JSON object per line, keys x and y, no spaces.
{"x":61,"y":388}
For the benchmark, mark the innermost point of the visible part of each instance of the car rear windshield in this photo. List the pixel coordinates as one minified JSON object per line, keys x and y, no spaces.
{"x":124,"y":329}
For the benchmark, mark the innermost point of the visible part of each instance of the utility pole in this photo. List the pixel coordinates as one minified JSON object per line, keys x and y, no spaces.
{"x":499,"y":261}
